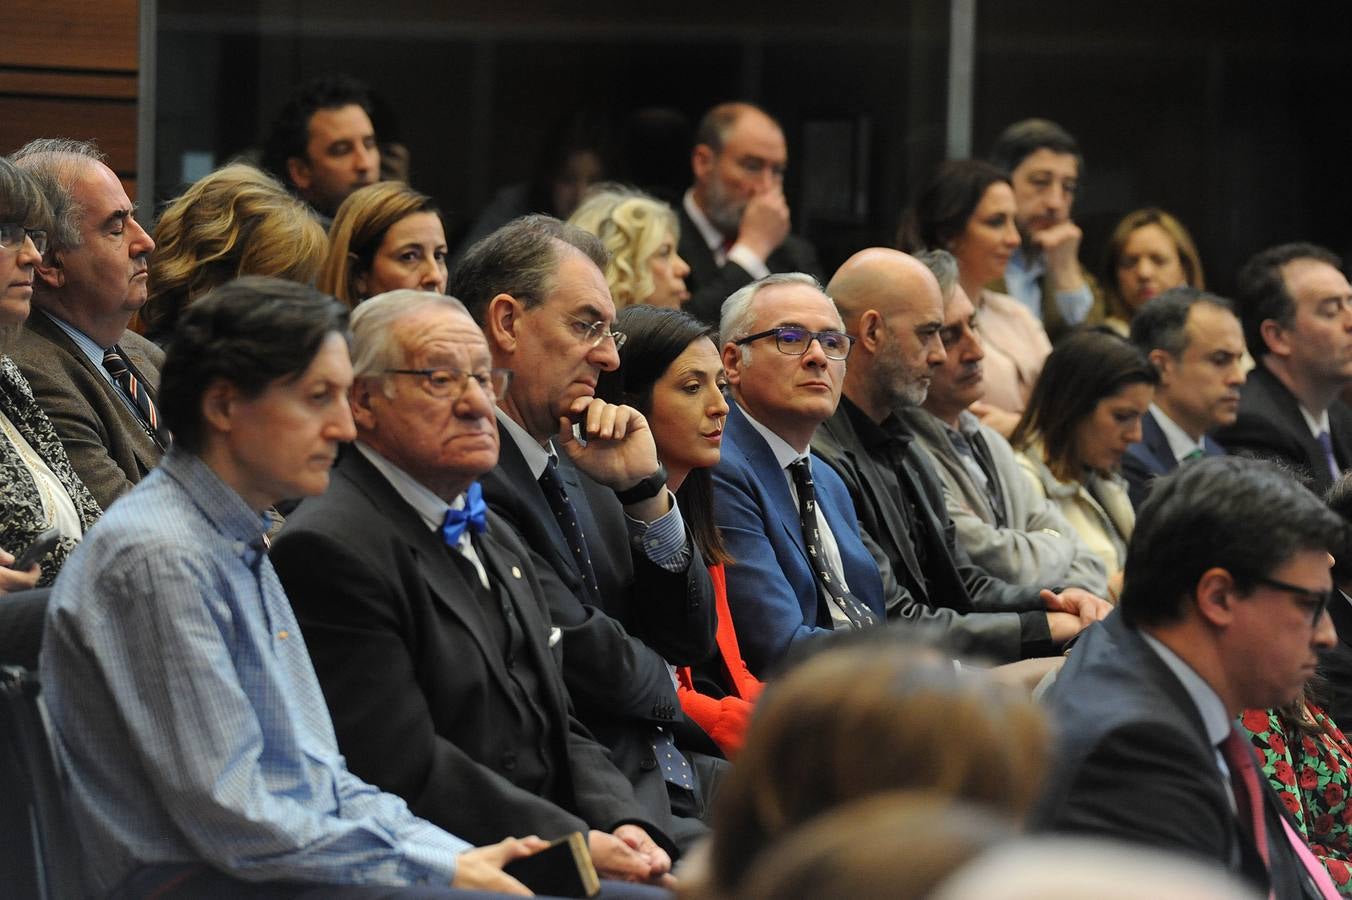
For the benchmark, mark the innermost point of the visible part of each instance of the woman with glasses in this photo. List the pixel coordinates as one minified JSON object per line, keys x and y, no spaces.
{"x":38,"y":488}
{"x":1084,"y":412}
{"x":670,"y":370}
{"x":642,"y":234}
{"x":384,"y":237}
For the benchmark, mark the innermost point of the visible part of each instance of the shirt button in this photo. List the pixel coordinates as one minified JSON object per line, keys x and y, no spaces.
{"x":283,"y":635}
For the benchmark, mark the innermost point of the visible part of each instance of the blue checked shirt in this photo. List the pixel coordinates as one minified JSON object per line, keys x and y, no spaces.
{"x":186,"y":709}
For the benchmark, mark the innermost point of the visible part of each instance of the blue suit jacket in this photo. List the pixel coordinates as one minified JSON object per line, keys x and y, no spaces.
{"x":1151,"y":457}
{"x":772,"y":590}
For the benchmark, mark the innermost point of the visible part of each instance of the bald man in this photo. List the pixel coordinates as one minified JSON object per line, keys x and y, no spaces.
{"x":892,"y":304}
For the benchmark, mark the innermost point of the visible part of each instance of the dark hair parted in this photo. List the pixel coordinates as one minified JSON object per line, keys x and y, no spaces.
{"x":519,"y":259}
{"x":1261,"y":289}
{"x":1339,"y":500}
{"x":21,"y":198}
{"x":1027,"y":136}
{"x":1161,"y":324}
{"x":250,"y":332}
{"x":1247,"y":516}
{"x":289,"y":133}
{"x":655,"y":337}
{"x":940,"y":212}
{"x":1083,"y":369}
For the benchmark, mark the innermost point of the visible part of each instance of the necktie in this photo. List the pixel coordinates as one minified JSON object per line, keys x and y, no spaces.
{"x":473,"y":515}
{"x":859,"y":615}
{"x":566,"y":515}
{"x":1326,"y":442}
{"x":116,"y":364}
{"x":1194,"y":453}
{"x":1249,"y":803}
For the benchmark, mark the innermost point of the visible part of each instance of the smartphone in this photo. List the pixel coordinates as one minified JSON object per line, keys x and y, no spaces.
{"x":41,"y":546}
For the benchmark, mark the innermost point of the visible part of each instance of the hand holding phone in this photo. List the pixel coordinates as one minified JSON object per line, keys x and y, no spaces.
{"x":42,"y":545}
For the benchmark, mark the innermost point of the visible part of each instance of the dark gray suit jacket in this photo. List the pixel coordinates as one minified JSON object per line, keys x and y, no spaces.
{"x":710,"y":285}
{"x":1151,"y":457}
{"x":108,"y":446}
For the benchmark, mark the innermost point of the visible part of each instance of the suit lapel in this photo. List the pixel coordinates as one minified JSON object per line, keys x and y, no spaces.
{"x":518,"y":474}
{"x":1155,"y":441}
{"x":771,"y":475}
{"x":696,"y":253}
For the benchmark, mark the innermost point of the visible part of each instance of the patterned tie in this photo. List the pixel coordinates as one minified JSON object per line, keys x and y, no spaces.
{"x":566,"y":515}
{"x":116,"y":364}
{"x":1326,"y":443}
{"x":859,"y":615}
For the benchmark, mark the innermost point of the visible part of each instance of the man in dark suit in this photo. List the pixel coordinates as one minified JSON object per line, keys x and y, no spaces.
{"x":893,"y":304}
{"x":399,"y":571}
{"x":734,"y":219}
{"x":1224,"y":608}
{"x":592,"y":503}
{"x":1336,"y":663}
{"x":1195,"y":341}
{"x":95,"y":379}
{"x":1296,"y":306}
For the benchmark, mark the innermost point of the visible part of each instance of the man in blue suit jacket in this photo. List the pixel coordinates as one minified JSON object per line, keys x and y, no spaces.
{"x":1196,"y":342}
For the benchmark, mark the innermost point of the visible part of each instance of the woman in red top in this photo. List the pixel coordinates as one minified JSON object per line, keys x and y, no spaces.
{"x":671,"y":371}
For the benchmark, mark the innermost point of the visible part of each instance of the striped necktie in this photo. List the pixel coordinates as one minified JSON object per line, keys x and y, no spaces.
{"x":122,"y":373}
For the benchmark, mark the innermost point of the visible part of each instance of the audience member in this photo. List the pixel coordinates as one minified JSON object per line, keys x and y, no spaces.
{"x":865,"y":717}
{"x":1196,"y":344}
{"x":469,"y":720}
{"x":1149,"y":252}
{"x":593,"y":503}
{"x":734,"y":218}
{"x":1044,"y":166}
{"x":170,"y":639}
{"x":893,"y":305}
{"x":1335,"y":664}
{"x":671,"y":372}
{"x":1085,"y":411}
{"x":94,"y":379}
{"x":322,"y":144}
{"x":1223,"y":609}
{"x":235,"y":221}
{"x":1296,"y":306}
{"x":39,"y":490}
{"x":1002,"y":522}
{"x":385,"y":237}
{"x":894,"y":846}
{"x":640,"y":233}
{"x":968,"y":208}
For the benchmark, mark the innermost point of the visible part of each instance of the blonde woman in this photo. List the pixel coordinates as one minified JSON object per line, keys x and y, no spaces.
{"x":641,"y":234}
{"x":385,"y":237}
{"x":1149,"y":252}
{"x":236,"y":221}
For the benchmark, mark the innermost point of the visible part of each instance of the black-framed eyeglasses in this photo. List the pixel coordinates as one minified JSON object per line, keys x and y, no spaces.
{"x":594,"y":333}
{"x":12,"y":235}
{"x":449,"y":384}
{"x":795,"y":341}
{"x":1318,"y":600}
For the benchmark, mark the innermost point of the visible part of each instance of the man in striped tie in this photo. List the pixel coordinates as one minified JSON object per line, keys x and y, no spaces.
{"x":95,"y":379}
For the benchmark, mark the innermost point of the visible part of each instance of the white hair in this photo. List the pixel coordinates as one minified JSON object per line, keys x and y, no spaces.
{"x":374,"y":346}
{"x":735,"y":319}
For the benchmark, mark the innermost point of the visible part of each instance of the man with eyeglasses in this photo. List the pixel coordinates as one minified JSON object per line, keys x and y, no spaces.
{"x":579,"y":479}
{"x":425,"y":617}
{"x":1223,"y":609}
{"x":1296,"y":307}
{"x":96,"y":380}
{"x":734,"y":219}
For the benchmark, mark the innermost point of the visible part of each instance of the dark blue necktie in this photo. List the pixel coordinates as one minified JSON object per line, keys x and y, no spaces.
{"x":474,"y":515}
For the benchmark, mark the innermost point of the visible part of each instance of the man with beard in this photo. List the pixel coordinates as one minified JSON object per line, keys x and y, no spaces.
{"x":96,"y":380}
{"x":1196,"y":343}
{"x":893,"y":306}
{"x":1044,"y":165}
{"x":1003,"y":523}
{"x":734,"y":219}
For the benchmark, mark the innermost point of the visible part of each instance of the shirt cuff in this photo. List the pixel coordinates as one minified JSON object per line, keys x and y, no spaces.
{"x":1075,"y":305}
{"x":745,"y":257}
{"x":430,"y":855}
{"x":662,"y":540}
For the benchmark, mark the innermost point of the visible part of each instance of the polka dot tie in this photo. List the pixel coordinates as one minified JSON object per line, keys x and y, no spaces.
{"x":566,"y":515}
{"x":859,"y":615}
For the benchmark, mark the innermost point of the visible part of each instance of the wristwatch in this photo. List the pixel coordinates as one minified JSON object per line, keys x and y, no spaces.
{"x":646,"y":489}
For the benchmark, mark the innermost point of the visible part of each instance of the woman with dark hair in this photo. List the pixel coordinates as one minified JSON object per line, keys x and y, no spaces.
{"x":671,"y":371}
{"x":1148,"y":253}
{"x":38,"y":488}
{"x":384,"y":237}
{"x":1085,"y":410}
{"x":967,"y":208}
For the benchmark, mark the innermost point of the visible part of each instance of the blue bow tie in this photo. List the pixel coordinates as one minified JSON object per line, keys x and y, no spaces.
{"x":474,"y":515}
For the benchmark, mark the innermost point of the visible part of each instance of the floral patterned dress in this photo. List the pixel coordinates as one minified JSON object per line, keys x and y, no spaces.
{"x":1310,"y":773}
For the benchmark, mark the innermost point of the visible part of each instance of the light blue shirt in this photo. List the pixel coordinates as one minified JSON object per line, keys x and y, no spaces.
{"x":186,"y":710}
{"x":92,"y":350}
{"x":1023,"y":282}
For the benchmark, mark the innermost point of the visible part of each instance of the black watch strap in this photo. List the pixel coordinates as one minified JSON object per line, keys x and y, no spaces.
{"x":646,"y":489}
